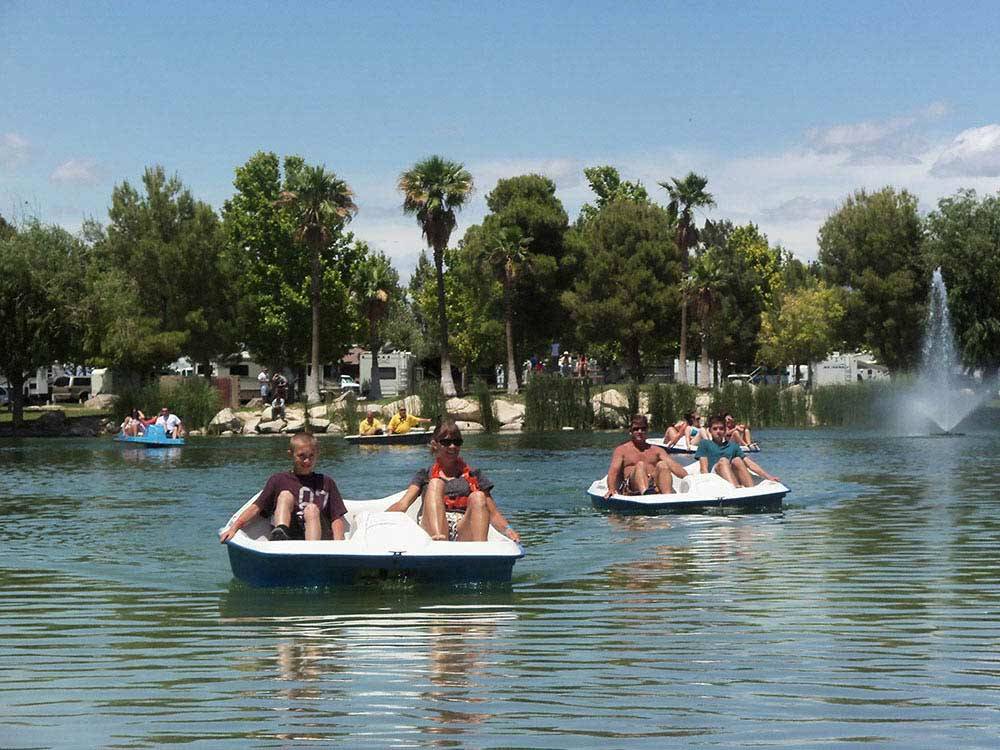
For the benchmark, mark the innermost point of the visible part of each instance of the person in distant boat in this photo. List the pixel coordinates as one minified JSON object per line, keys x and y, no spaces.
{"x":370,"y":425}
{"x":726,"y":458}
{"x":457,"y":500}
{"x":302,"y":504}
{"x":638,"y":467}
{"x":689,"y":428}
{"x":737,"y":432}
{"x":134,"y":424}
{"x":172,"y":425}
{"x":402,"y":422}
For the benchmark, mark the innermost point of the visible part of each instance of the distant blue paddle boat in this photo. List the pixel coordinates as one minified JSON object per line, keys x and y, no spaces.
{"x":154,"y":437}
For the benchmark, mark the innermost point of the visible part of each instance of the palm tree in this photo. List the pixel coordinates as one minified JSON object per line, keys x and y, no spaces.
{"x":685,"y":196}
{"x":433,"y":189}
{"x":703,"y":288}
{"x":373,"y":285}
{"x":322,"y":204}
{"x":508,"y":256}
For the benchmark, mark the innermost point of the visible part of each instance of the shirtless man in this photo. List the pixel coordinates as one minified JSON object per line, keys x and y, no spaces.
{"x":636,"y":465}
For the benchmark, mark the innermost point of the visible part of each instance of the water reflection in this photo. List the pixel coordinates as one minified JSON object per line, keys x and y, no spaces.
{"x":158,"y":456}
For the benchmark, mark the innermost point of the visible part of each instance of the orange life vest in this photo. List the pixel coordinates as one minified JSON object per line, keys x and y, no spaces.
{"x":456,"y":503}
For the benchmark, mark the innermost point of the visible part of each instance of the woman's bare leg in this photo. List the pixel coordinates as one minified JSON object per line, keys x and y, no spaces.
{"x":475,"y":523}
{"x":433,"y":519}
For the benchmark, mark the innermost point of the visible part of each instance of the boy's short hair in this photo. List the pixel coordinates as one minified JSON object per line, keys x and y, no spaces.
{"x":716,"y":419}
{"x":302,"y":438}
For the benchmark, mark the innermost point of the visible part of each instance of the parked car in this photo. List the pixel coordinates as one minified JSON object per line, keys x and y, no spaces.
{"x":4,"y":397}
{"x":347,"y":383}
{"x":70,"y":388}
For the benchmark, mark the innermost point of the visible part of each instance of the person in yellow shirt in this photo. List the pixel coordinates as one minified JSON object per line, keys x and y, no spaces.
{"x":370,"y":425}
{"x":402,"y":422}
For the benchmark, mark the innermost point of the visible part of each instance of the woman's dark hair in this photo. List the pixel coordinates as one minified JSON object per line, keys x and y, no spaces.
{"x":447,"y":428}
{"x":691,"y":416}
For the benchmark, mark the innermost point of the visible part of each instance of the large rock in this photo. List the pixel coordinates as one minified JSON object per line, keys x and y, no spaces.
{"x":271,"y":427}
{"x":412,"y":404}
{"x":512,"y":426}
{"x":462,"y":407}
{"x":103,"y":401}
{"x":225,"y":421}
{"x":295,"y":414}
{"x":317,"y":412}
{"x":469,"y":427}
{"x":295,"y":425}
{"x":255,"y":403}
{"x":508,"y":411}
{"x":319,"y":425}
{"x":250,"y":425}
{"x":266,"y":414}
{"x":611,"y":397}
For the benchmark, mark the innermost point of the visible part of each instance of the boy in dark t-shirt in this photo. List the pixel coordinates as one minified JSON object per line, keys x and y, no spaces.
{"x":303,"y":504}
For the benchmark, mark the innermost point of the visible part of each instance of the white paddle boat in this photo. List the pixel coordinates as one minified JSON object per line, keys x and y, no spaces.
{"x":694,"y":493}
{"x":681,"y":446}
{"x":377,"y":544}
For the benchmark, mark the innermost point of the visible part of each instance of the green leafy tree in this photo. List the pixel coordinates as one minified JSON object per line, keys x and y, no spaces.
{"x":685,"y":196}
{"x":164,"y":251}
{"x":801,"y":326}
{"x":608,"y":186}
{"x":275,"y":277}
{"x":375,"y":284}
{"x":628,"y":274}
{"x":873,"y":246}
{"x":42,"y":303}
{"x":963,"y":239}
{"x":433,"y":190}
{"x":322,"y":205}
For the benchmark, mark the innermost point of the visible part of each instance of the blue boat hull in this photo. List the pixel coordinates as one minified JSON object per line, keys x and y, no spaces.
{"x":269,"y":570}
{"x":155,"y":437}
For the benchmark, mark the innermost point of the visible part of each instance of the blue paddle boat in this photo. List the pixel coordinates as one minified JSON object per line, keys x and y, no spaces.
{"x":153,"y":437}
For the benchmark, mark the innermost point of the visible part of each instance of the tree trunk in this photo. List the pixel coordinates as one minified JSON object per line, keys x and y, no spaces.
{"x":16,"y":394}
{"x":705,"y":370}
{"x":509,"y":329}
{"x":206,"y":370}
{"x":447,"y":383}
{"x":312,"y":378}
{"x":375,"y":383}
{"x":682,"y":375}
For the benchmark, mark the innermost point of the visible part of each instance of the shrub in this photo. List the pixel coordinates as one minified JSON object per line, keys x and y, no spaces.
{"x":488,"y":416}
{"x":349,"y":414}
{"x":552,"y":402}
{"x":433,"y":404}
{"x":194,"y":400}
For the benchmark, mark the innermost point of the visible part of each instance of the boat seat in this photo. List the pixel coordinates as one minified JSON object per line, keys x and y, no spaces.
{"x":392,"y":531}
{"x":703,"y":483}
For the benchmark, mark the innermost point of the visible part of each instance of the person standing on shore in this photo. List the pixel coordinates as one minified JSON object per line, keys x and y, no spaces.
{"x":265,"y":385}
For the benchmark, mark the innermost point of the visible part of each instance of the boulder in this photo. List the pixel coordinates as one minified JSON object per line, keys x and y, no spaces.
{"x":295,"y":414}
{"x":469,"y":427}
{"x":255,"y":403}
{"x":250,"y":425}
{"x":295,"y":425}
{"x":266,"y":414}
{"x":412,"y":404}
{"x":512,"y":426}
{"x":462,"y":407}
{"x":508,"y":411}
{"x":271,"y":427}
{"x":225,"y":421}
{"x":103,"y":401}
{"x":319,"y":425}
{"x":317,"y":412}
{"x":226,"y":433}
{"x":611,"y":397}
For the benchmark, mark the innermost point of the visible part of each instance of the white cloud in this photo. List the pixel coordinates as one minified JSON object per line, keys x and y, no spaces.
{"x":973,"y":153}
{"x":893,"y":140}
{"x":76,"y":172}
{"x":799,"y":208}
{"x":14,"y":150}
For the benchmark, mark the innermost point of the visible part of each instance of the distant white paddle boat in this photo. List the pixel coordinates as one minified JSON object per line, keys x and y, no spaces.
{"x":694,"y":493}
{"x":378,"y":543}
{"x":681,"y":446}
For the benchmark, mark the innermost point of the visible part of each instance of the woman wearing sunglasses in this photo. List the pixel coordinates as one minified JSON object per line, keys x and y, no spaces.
{"x":457,"y":502}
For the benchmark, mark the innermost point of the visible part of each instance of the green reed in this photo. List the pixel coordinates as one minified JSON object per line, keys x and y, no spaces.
{"x":433,"y":404}
{"x":552,"y":402}
{"x":487,"y":414}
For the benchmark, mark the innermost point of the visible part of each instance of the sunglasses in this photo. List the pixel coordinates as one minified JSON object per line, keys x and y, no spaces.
{"x":450,"y":441}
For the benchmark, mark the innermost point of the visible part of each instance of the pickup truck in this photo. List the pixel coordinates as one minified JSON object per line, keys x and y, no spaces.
{"x":347,"y":383}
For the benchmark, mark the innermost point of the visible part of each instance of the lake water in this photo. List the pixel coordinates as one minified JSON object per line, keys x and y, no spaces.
{"x":867,"y":613}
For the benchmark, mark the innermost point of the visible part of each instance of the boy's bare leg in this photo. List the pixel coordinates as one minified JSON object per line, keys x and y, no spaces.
{"x":725,"y":470}
{"x":314,"y":525}
{"x":283,"y":509}
{"x":742,"y":473}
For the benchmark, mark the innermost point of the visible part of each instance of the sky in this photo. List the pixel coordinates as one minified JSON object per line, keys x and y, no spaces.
{"x":786,"y":108}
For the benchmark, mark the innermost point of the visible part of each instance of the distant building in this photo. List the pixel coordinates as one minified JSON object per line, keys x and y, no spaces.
{"x":840,"y":369}
{"x":396,"y":370}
